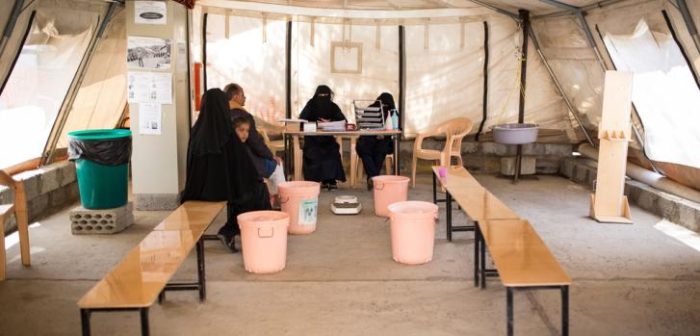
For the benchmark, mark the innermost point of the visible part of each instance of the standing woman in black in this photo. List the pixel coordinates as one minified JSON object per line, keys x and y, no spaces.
{"x":322,"y":153}
{"x":373,"y":149}
{"x":220,"y":169}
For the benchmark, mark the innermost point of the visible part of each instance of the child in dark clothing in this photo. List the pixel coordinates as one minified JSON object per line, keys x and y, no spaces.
{"x":274,"y":167}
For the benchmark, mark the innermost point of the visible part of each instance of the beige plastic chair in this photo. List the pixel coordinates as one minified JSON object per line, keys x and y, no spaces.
{"x":457,"y":130}
{"x":454,"y":131}
{"x":275,"y":146}
{"x":19,"y":208}
{"x":437,"y":156}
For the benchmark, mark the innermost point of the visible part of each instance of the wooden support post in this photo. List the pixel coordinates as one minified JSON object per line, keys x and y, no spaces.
{"x":609,"y":204}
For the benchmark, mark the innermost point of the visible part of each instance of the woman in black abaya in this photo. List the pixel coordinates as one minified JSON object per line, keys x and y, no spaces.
{"x":321,"y":153}
{"x":220,"y":169}
{"x":373,"y":149}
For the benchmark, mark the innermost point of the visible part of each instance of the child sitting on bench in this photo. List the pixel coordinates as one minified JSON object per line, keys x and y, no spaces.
{"x":272,"y":169}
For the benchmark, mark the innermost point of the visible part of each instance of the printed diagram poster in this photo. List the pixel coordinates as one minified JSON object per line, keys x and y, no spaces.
{"x":148,"y":53}
{"x":150,"y":87}
{"x":150,"y":119}
{"x":151,"y":12}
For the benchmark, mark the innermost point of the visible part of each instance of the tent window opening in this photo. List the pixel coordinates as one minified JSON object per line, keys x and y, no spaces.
{"x":38,"y":84}
{"x":664,"y":93}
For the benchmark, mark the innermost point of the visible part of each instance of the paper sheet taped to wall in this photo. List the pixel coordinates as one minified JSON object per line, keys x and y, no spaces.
{"x":150,"y":87}
{"x":150,"y":119}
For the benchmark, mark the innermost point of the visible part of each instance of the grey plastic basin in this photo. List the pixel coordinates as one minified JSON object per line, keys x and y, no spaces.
{"x":515,"y":134}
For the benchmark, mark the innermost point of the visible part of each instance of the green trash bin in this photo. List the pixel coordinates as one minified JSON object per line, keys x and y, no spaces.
{"x":102,"y":166}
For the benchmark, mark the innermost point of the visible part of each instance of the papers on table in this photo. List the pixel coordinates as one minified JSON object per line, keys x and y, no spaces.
{"x":332,"y":125}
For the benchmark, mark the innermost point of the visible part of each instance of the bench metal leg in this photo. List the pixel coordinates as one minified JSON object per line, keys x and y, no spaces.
{"x":509,"y":309}
{"x":482,"y":262}
{"x":86,"y":312}
{"x":477,"y":242}
{"x":200,"y":285}
{"x":448,"y":215}
{"x":201,"y":274}
{"x":144,"y":321}
{"x":85,"y":321}
{"x":564,"y":306}
{"x":565,"y":310}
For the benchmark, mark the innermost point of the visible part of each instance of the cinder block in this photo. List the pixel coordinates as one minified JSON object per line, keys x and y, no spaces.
{"x":67,"y":173}
{"x":32,"y":186}
{"x":492,"y":148}
{"x":103,"y":221}
{"x":49,"y":179}
{"x":567,"y":168}
{"x":527,"y":166}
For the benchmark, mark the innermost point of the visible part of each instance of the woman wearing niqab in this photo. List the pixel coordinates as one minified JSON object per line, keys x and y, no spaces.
{"x":219,"y":168}
{"x":321,"y":153}
{"x":373,"y":149}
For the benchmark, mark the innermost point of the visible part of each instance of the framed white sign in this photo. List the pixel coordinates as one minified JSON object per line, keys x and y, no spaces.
{"x":346,"y":57}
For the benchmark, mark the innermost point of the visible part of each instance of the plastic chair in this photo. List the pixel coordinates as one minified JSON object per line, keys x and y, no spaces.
{"x":19,"y":209}
{"x":275,"y":146}
{"x":437,"y":156}
{"x":457,"y":130}
{"x":454,"y":131}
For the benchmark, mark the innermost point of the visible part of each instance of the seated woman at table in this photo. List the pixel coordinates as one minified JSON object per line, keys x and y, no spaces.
{"x":373,"y":149}
{"x":321,"y":153}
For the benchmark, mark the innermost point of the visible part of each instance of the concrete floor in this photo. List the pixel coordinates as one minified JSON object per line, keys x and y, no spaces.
{"x":341,"y":280}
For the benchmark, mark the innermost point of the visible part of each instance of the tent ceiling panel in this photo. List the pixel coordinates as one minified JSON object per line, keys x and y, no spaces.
{"x":535,"y":6}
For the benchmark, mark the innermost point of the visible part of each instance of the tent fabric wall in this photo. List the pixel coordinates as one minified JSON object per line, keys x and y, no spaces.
{"x":242,"y":50}
{"x":311,"y":64}
{"x":102,"y":94}
{"x":31,"y":100}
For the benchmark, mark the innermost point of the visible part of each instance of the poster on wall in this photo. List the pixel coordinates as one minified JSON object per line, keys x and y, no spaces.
{"x":149,"y":87}
{"x":148,"y":53}
{"x":150,"y":12}
{"x":150,"y":119}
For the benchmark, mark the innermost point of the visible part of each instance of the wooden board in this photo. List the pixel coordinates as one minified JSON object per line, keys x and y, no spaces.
{"x":614,"y":133}
{"x":138,"y":279}
{"x":520,"y":255}
{"x":477,"y":202}
{"x":192,"y":215}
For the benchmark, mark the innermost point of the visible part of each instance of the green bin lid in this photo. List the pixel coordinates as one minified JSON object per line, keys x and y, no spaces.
{"x":100,"y":134}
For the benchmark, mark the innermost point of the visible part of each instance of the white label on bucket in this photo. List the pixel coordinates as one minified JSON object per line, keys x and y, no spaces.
{"x":307,"y":212}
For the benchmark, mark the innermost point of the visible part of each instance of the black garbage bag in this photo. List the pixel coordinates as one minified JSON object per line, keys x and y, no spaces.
{"x":109,"y":152}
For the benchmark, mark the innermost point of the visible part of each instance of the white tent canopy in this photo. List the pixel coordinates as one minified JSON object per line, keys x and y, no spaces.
{"x":444,"y":55}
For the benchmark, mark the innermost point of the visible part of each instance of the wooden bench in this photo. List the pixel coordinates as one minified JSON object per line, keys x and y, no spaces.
{"x":143,"y":275}
{"x":477,"y":202}
{"x":523,"y":262}
{"x":522,"y":259}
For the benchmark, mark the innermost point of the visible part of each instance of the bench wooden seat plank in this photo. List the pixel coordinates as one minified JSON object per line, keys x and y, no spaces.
{"x":520,"y":255}
{"x":477,"y":202}
{"x":138,"y":279}
{"x":192,"y":215}
{"x":144,"y":274}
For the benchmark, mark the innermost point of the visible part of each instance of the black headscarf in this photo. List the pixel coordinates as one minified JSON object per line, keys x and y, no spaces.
{"x":387,"y":100}
{"x":218,"y":165}
{"x":322,"y":106}
{"x":212,"y":129}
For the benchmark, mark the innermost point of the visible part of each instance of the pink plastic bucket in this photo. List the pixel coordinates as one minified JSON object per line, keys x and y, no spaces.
{"x":413,"y":231}
{"x":389,"y":189}
{"x":299,"y":199}
{"x":264,"y":240}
